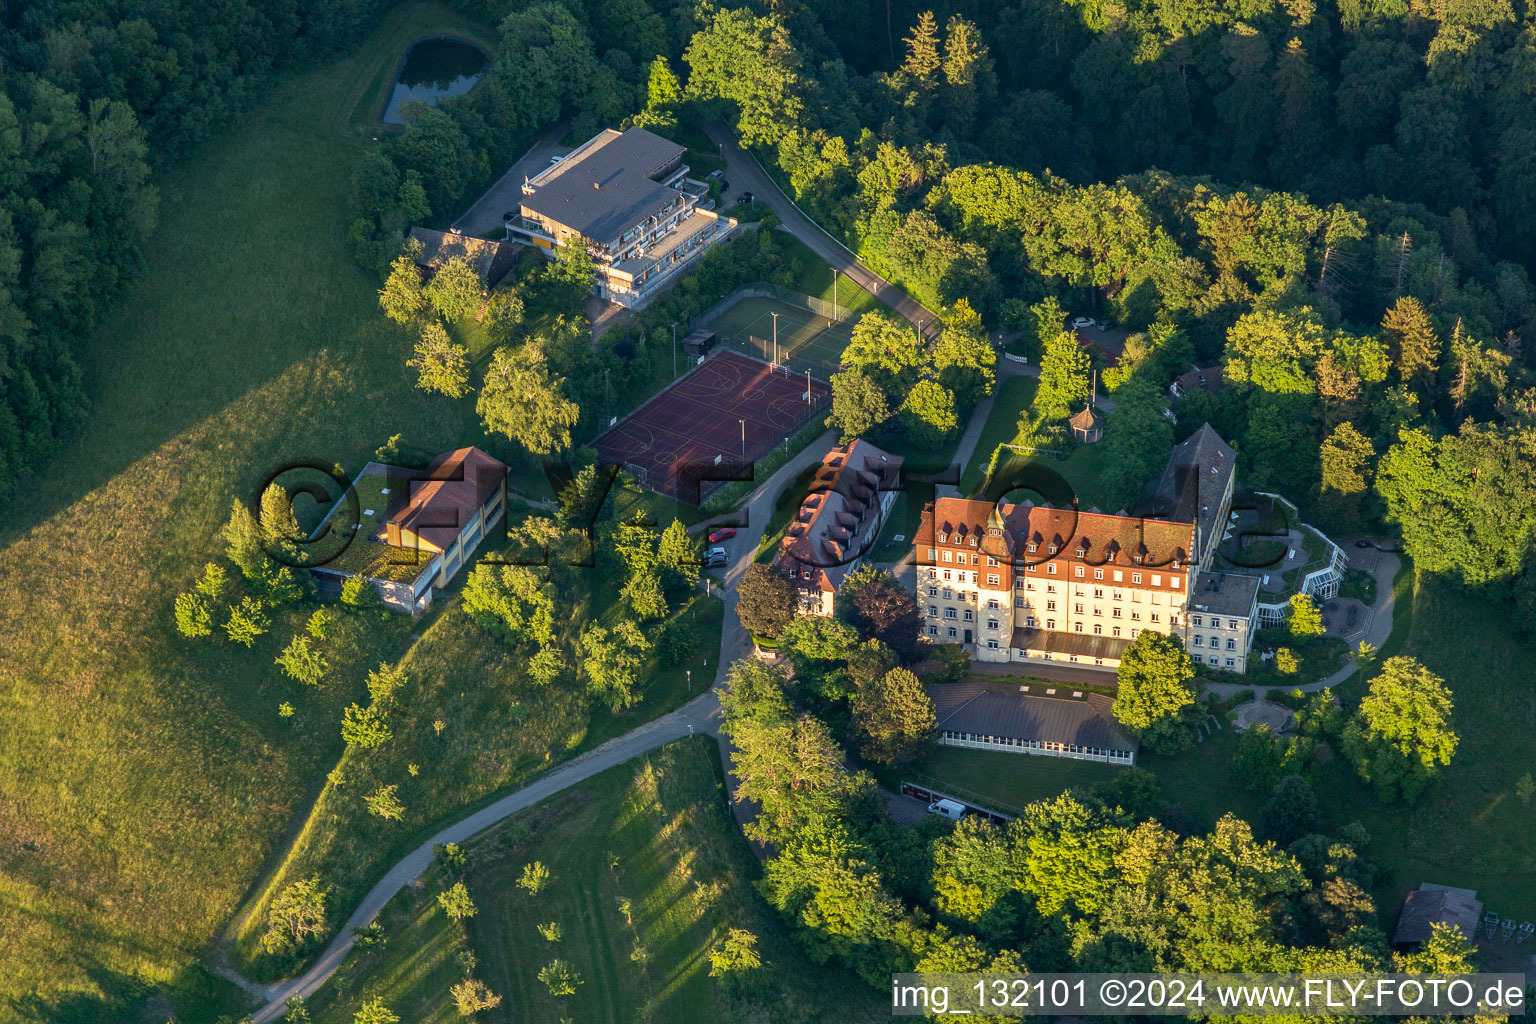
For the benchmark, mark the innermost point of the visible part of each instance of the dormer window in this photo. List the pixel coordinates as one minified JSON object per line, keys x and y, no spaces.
{"x":1174,"y":564}
{"x":1079,"y":552}
{"x":1136,"y":559}
{"x":973,"y":540}
{"x":1051,"y":549}
{"x":943,"y":538}
{"x":1032,"y":547}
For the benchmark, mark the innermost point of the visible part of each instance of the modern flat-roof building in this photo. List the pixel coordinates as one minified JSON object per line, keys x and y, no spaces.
{"x":628,"y":196}
{"x":1026,"y":582}
{"x":1038,"y":719}
{"x":838,"y":521}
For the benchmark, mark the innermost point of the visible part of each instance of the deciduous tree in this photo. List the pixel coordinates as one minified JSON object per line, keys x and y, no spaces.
{"x":1401,"y":736}
{"x":765,"y":602}
{"x":893,"y":718}
{"x":1156,"y":696}
{"x":296,"y":916}
{"x":455,"y":291}
{"x":456,"y":903}
{"x":522,"y":400}
{"x":440,"y":363}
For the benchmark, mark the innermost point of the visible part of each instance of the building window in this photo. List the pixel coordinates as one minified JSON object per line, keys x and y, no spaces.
{"x":1079,"y":572}
{"x":1135,"y":615}
{"x":1119,"y":577}
{"x":1051,"y":568}
{"x":991,"y":623}
{"x":1199,"y":640}
{"x":933,"y":630}
{"x":948,"y":557}
{"x":1213,"y":659}
{"x":1098,"y":574}
{"x":991,"y":561}
{"x":1098,"y":611}
{"x":1135,"y":577}
{"x":1232,"y":624}
{"x":1050,"y":623}
{"x":992,"y":603}
{"x":991,"y":645}
{"x":1135,"y":632}
{"x":1078,"y":627}
{"x":948,"y":574}
{"x":1078,"y":608}
{"x":1196,"y":619}
{"x":1029,"y":620}
{"x":1032,"y":546}
{"x":970,"y":616}
{"x":1173,"y":581}
{"x":1079,"y":552}
{"x":948,"y":594}
{"x":1019,"y":585}
{"x":1098,"y":592}
{"x":1018,"y":602}
{"x":949,"y":613}
{"x":1231,"y":663}
{"x":933,"y":611}
{"x":992,"y":580}
{"x":1231,"y":644}
{"x":952,"y":632}
{"x":1050,"y":606}
{"x":1098,"y":630}
{"x":933,"y":591}
{"x":1115,"y":631}
{"x":1155,"y":618}
{"x":1117,"y":613}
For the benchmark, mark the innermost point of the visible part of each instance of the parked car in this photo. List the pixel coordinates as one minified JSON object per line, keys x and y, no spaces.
{"x":716,"y":558}
{"x":954,"y":810}
{"x":555,"y":159}
{"x":1083,"y":322}
{"x":717,"y":175}
{"x":724,"y":533}
{"x":746,"y":197}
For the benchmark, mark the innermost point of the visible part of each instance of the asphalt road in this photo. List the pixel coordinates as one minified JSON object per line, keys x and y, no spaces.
{"x":746,"y":175}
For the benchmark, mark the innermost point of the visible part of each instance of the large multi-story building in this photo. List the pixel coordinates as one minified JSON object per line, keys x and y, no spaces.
{"x":1026,"y":582}
{"x":628,"y":196}
{"x":837,"y":522}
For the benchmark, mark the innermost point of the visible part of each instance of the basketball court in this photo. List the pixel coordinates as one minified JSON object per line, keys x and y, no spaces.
{"x":711,"y":425}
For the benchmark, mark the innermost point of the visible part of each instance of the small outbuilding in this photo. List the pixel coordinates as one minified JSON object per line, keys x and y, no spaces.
{"x":1432,"y":904}
{"x":1088,"y":425}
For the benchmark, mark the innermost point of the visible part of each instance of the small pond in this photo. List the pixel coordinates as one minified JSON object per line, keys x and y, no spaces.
{"x":432,"y":69}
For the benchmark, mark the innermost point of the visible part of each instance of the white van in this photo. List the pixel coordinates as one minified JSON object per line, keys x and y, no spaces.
{"x":954,"y":810}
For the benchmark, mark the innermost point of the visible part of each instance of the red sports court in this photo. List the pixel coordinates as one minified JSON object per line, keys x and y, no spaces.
{"x":690,"y":436}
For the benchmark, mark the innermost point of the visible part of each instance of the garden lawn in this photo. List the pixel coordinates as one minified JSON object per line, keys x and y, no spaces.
{"x":1008,"y":780}
{"x":146,"y":778}
{"x":1009,"y":403}
{"x":656,"y":832}
{"x":498,"y":728}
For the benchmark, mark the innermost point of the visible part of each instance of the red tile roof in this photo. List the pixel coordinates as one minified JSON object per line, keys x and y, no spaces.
{"x":834,"y":520}
{"x":445,"y":496}
{"x":1103,"y":539}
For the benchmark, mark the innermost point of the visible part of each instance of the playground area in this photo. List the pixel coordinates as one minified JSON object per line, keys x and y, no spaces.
{"x":806,"y":340}
{"x":711,"y":425}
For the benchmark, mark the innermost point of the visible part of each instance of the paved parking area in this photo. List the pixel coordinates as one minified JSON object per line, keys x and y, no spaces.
{"x":507,"y":194}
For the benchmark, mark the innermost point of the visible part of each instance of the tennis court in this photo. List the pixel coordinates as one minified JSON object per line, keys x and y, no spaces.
{"x":806,"y":341}
{"x":711,"y":425}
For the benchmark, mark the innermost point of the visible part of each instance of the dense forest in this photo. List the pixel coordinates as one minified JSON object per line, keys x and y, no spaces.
{"x":95,"y":96}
